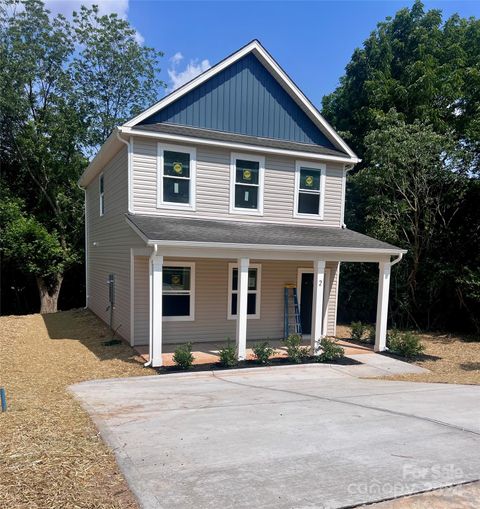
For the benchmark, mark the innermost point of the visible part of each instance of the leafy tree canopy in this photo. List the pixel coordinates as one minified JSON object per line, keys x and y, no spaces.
{"x":64,"y":85}
{"x":409,"y":104}
{"x":424,"y":68}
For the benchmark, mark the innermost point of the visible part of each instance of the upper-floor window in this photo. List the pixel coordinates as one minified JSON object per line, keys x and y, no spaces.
{"x":309,"y":189}
{"x":176,"y":177}
{"x":253,"y":297}
{"x":246,"y":184}
{"x":101,"y":193}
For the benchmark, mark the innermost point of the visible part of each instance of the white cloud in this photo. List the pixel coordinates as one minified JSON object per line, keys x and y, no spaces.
{"x":180,"y":77}
{"x":177,"y":58}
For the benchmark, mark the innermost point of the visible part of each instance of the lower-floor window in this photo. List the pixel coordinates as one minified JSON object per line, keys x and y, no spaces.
{"x":253,"y":297}
{"x":178,"y":291}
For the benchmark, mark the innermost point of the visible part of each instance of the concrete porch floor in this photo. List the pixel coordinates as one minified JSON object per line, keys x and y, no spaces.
{"x":207,"y":353}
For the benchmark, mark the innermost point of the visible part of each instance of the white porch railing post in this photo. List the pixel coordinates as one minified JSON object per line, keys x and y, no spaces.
{"x":317,"y":304}
{"x":156,"y":311}
{"x":382,"y":306}
{"x":242,"y":301}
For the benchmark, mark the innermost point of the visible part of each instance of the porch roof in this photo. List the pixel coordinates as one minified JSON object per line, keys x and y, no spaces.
{"x":170,"y":230}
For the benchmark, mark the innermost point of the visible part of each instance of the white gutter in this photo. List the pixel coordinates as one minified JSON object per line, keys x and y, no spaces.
{"x":273,"y":247}
{"x":150,"y":336}
{"x":235,"y":145}
{"x":399,"y":257}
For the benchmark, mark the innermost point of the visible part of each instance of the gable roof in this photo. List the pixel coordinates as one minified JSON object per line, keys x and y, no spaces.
{"x":243,"y":99}
{"x":249,"y":54}
{"x":338,"y":151}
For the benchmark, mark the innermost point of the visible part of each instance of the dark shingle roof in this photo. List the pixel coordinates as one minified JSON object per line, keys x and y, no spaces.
{"x":160,"y":228}
{"x":238,"y":138}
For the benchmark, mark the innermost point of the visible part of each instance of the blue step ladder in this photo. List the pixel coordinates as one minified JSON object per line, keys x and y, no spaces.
{"x":292,"y":321}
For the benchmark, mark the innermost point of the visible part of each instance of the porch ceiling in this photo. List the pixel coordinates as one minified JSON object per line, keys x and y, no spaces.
{"x":201,"y":232}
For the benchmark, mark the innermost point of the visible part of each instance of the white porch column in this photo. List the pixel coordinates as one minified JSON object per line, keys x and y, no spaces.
{"x":317,"y":304}
{"x":242,"y":298}
{"x":156,"y":313}
{"x":382,"y":306}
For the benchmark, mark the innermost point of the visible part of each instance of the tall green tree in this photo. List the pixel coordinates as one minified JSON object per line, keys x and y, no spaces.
{"x":409,"y":104}
{"x":64,"y":86}
{"x":114,"y":76}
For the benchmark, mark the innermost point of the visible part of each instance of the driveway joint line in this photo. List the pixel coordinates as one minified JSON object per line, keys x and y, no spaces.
{"x":368,"y":407}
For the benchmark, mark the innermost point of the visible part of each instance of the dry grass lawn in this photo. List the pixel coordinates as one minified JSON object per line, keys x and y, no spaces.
{"x":450,"y":359}
{"x":51,"y":455}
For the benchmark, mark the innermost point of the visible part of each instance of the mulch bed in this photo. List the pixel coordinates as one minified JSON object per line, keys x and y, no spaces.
{"x":279,"y":361}
{"x":51,"y":454}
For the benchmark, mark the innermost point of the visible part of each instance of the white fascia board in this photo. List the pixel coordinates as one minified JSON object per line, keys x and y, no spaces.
{"x":273,"y":247}
{"x":284,"y":80}
{"x":111,"y":146}
{"x":139,"y":232}
{"x":302,"y":100}
{"x":235,"y":146}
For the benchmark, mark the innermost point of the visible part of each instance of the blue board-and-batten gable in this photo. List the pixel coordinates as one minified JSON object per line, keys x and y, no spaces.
{"x":246,"y":99}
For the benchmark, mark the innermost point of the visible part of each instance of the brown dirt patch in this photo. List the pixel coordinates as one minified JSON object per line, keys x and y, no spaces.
{"x":51,"y":455}
{"x":451,"y":359}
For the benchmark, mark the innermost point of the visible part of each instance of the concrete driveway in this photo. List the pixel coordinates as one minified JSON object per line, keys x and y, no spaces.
{"x":288,"y":437}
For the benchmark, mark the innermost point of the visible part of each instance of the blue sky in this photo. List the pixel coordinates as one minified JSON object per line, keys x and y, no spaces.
{"x":312,"y":40}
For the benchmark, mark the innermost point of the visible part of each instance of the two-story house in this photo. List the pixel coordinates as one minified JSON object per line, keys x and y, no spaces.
{"x":200,"y":210}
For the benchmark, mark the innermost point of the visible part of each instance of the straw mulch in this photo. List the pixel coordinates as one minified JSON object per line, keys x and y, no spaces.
{"x":451,"y":359}
{"x":51,"y":455}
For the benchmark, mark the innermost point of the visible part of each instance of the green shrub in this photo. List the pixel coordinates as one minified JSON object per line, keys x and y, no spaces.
{"x":358,"y":330}
{"x":405,"y":344}
{"x":262,"y":352}
{"x":183,"y":356}
{"x":228,"y":356}
{"x":295,"y":351}
{"x":370,"y":337}
{"x":330,"y":351}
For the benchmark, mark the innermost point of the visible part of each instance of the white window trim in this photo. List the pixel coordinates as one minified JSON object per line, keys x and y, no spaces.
{"x":191,"y":316}
{"x":192,"y":151}
{"x":258,"y":291}
{"x":323,"y":170}
{"x":101,"y":194}
{"x":261,"y":179}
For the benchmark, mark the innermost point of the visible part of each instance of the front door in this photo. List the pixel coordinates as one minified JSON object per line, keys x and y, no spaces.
{"x":306,"y":302}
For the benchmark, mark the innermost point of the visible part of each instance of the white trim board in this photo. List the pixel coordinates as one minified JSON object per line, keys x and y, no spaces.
{"x":236,"y":145}
{"x":321,"y":202}
{"x":192,"y":179}
{"x":258,"y":291}
{"x":191,"y":292}
{"x":234,"y":156}
{"x":277,"y":72}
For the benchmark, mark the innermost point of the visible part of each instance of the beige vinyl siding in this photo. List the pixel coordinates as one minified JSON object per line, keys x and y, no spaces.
{"x":109,"y":241}
{"x":213,"y":186}
{"x":211,"y":301}
{"x":141,"y":301}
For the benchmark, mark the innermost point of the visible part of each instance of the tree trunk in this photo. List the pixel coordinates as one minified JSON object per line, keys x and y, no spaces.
{"x":49,"y":294}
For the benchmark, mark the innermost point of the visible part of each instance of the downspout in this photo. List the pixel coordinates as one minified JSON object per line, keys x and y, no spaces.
{"x":399,"y":257}
{"x":129,"y":145}
{"x":85,"y":215}
{"x":150,"y":335}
